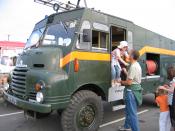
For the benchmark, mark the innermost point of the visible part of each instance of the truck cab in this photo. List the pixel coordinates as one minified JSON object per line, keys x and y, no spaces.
{"x":58,"y":66}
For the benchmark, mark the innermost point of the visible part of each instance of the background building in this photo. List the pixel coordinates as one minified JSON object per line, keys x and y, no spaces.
{"x":10,"y":48}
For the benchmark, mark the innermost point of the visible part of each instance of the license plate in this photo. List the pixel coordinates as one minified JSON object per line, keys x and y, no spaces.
{"x":12,"y":100}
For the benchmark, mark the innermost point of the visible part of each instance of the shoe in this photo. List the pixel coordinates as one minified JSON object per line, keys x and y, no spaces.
{"x":122,"y":128}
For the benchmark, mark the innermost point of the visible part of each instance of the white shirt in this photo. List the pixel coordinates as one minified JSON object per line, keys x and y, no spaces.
{"x":116,"y":54}
{"x":135,"y":73}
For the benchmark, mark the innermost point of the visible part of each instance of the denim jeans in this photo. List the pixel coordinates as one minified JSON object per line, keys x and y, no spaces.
{"x":116,"y":71}
{"x":131,"y":120}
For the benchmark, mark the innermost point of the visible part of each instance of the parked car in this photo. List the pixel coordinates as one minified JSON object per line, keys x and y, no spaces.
{"x":7,"y":64}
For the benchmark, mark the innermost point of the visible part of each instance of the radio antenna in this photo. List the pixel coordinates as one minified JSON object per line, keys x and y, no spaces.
{"x":78,"y":3}
{"x":85,"y":3}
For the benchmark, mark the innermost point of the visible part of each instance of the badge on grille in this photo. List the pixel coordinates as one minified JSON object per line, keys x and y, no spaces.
{"x":20,"y":64}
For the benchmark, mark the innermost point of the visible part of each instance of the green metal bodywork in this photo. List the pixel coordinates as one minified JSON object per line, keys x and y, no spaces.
{"x":62,"y":83}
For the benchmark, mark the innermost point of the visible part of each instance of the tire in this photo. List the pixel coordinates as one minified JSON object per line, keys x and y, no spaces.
{"x":84,"y":113}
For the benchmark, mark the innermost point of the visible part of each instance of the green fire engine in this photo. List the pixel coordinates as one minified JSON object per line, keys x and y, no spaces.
{"x":66,"y":64}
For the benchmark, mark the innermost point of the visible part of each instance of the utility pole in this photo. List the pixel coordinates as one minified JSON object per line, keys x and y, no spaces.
{"x":8,"y":37}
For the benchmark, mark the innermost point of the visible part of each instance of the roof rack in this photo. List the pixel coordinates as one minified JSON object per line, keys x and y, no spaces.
{"x":57,"y":5}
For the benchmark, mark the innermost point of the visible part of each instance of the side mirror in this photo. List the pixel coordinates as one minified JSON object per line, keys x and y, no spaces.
{"x":87,"y":35}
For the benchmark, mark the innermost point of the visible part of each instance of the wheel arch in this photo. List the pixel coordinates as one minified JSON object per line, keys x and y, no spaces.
{"x":94,"y":88}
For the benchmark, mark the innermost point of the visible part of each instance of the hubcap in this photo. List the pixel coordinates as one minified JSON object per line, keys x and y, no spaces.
{"x":86,"y":116}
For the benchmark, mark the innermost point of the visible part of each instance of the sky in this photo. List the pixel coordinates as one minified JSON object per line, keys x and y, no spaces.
{"x":18,"y":17}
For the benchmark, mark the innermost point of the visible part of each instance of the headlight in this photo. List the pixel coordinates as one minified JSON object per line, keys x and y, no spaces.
{"x":39,"y":97}
{"x":6,"y":86}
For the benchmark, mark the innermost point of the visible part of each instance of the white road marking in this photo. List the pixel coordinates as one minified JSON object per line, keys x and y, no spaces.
{"x":15,"y":113}
{"x":121,"y":119}
{"x":103,"y":125}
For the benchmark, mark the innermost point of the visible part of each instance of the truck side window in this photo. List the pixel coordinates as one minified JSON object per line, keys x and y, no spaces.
{"x":100,"y":40}
{"x":80,"y":44}
{"x":130,"y":40}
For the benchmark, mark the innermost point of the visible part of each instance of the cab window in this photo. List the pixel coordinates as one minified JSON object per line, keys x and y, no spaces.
{"x":130,"y":40}
{"x":100,"y":40}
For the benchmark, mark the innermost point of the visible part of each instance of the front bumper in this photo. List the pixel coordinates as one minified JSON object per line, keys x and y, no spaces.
{"x":26,"y":105}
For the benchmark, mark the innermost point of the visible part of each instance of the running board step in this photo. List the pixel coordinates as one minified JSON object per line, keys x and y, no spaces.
{"x":118,"y":107}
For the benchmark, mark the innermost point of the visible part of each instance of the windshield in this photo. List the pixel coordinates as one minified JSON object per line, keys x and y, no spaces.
{"x":60,"y":34}
{"x":34,"y":37}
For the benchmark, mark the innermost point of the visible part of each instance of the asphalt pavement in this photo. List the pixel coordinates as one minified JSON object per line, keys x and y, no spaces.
{"x":12,"y":118}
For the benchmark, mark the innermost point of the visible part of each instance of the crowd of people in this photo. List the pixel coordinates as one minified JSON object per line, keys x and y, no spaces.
{"x":166,"y":101}
{"x":125,"y":62}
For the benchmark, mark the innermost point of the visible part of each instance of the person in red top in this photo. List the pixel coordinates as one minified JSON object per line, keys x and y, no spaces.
{"x":162,"y":102}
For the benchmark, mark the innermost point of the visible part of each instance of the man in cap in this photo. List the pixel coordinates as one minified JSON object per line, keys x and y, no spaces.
{"x":132,"y":93}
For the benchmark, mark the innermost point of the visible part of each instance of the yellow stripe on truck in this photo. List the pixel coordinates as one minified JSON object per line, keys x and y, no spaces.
{"x":149,"y":49}
{"x":93,"y":56}
{"x":84,"y":56}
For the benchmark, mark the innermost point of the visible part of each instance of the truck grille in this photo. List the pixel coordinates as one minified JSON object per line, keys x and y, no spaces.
{"x":32,"y":95}
{"x":18,"y":84}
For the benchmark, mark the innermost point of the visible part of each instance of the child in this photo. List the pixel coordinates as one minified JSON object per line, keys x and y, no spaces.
{"x":162,"y":102}
{"x":117,"y":59}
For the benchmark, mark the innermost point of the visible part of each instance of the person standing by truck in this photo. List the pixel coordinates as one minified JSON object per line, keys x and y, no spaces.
{"x":132,"y":93}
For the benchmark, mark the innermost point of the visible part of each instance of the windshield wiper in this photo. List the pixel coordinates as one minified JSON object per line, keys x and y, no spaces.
{"x":65,"y":28}
{"x":41,"y":37}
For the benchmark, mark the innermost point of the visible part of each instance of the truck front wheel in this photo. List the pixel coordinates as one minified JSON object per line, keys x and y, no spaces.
{"x":84,"y":113}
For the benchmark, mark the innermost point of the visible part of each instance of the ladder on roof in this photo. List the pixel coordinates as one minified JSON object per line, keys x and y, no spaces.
{"x":57,"y":5}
